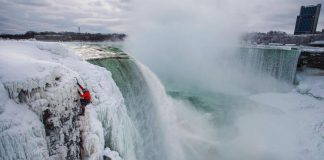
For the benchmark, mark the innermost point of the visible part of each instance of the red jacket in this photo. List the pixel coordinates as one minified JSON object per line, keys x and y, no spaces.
{"x":86,"y":94}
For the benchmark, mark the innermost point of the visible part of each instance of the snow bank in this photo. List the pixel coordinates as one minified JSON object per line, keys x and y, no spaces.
{"x":39,"y":103}
{"x":301,"y":120}
{"x":311,"y":82}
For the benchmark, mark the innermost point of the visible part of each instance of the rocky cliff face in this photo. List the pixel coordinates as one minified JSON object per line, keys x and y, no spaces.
{"x":311,"y":59}
{"x":56,"y":103}
{"x":39,"y":103}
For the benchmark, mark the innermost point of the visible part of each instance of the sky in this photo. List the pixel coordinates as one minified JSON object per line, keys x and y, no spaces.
{"x":106,"y":16}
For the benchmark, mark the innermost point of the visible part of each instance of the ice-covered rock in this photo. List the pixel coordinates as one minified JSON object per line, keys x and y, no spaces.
{"x":46,"y":88}
{"x":39,"y":105}
{"x":22,"y":135}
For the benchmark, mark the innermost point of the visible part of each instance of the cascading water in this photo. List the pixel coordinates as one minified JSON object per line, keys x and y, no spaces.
{"x":140,"y":106}
{"x":168,"y":128}
{"x":278,"y":63}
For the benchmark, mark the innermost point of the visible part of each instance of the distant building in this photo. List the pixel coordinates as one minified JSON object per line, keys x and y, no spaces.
{"x":306,"y":22}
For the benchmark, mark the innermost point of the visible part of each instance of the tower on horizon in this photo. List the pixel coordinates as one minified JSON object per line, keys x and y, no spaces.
{"x":306,"y":22}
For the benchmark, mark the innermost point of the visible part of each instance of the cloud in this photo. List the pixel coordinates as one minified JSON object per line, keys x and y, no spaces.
{"x":31,"y":2}
{"x":113,"y":15}
{"x":19,"y":16}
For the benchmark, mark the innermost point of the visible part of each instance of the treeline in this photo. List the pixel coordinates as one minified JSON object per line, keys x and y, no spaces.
{"x":280,"y":37}
{"x":66,"y":36}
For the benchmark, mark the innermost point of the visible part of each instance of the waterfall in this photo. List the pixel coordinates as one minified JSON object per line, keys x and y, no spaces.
{"x":278,"y":63}
{"x":168,"y":128}
{"x":140,"y":106}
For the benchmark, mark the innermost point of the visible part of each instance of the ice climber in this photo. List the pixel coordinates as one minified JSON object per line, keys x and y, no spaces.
{"x":85,"y":97}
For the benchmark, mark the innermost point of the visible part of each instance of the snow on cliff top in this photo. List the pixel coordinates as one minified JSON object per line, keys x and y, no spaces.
{"x":19,"y":65}
{"x":21,"y":60}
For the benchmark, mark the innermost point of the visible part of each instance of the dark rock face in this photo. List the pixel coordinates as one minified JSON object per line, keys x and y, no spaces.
{"x":57,"y":105}
{"x":311,"y":60}
{"x":62,"y":129}
{"x":62,"y":134}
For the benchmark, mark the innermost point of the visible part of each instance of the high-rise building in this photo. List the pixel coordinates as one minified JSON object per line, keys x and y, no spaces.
{"x":306,"y":22}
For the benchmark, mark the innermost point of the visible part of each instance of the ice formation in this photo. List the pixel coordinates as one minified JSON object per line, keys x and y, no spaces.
{"x":22,"y":135}
{"x":39,"y":103}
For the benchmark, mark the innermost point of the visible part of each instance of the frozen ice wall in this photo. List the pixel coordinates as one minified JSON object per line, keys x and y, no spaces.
{"x":39,"y":104}
{"x":47,"y":91}
{"x":22,"y":135}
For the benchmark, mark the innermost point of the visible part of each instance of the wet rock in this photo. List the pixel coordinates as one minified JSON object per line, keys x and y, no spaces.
{"x":311,"y":60}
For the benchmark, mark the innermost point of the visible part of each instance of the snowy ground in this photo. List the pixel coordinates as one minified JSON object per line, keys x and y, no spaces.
{"x":300,"y":115}
{"x":30,"y":67}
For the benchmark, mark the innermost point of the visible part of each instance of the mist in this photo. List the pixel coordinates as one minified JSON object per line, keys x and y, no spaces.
{"x":194,"y":44}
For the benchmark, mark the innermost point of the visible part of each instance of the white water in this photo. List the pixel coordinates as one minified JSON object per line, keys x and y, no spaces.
{"x":250,"y":130}
{"x":278,"y":63}
{"x":167,"y":128}
{"x":188,"y":134}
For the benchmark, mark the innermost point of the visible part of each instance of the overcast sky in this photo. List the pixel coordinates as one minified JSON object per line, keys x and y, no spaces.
{"x":104,"y":16}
